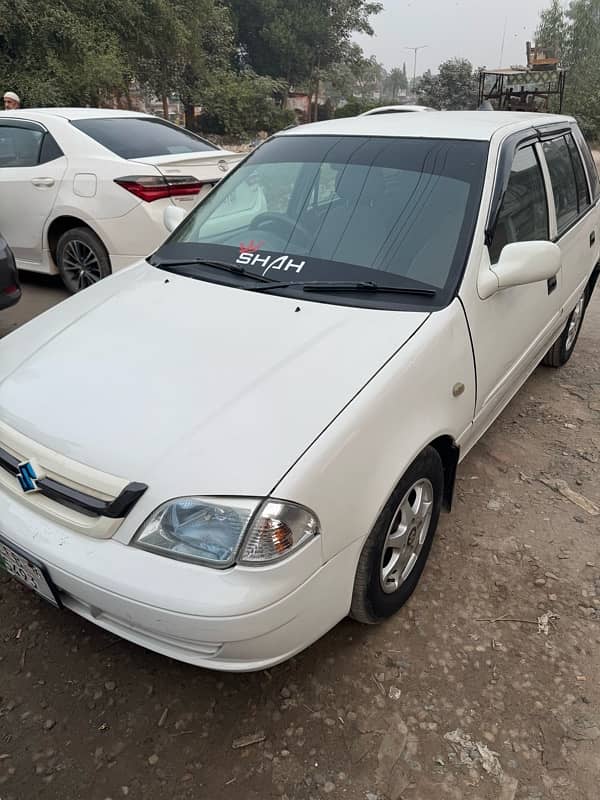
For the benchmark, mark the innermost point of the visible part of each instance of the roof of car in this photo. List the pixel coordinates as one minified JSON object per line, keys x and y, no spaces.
{"x":471,"y":125}
{"x":73,"y":113}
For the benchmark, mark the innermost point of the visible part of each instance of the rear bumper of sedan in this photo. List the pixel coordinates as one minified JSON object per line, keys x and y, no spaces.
{"x":173,"y":608}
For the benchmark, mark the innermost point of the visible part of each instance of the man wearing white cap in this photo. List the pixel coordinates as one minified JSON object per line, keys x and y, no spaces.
{"x":12,"y":101}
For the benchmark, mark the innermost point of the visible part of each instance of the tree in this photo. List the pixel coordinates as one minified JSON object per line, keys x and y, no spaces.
{"x":298,"y":40}
{"x":573,"y":36}
{"x":369,"y":79}
{"x":395,"y":82}
{"x":240,"y":104}
{"x":552,"y":30}
{"x":583,"y":61}
{"x":453,"y":88}
{"x":56,"y":53}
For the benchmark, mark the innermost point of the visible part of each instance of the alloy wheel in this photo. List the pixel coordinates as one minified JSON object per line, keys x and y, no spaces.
{"x":406,"y":535}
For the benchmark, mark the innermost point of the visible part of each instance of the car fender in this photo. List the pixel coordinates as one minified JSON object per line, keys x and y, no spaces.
{"x":425,"y":391}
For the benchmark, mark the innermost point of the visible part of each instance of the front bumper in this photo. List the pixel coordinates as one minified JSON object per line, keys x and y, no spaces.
{"x":241,"y":619}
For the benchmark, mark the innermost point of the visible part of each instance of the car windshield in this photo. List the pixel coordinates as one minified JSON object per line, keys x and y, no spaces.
{"x":393,"y":211}
{"x":141,"y":137}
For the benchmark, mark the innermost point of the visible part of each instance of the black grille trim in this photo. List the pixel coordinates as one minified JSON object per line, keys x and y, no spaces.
{"x":80,"y":501}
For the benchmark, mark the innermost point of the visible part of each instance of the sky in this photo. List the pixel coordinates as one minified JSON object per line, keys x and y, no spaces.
{"x":470,"y":29}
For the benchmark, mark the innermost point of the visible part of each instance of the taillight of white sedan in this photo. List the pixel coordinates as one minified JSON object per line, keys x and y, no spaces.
{"x":83,"y":191}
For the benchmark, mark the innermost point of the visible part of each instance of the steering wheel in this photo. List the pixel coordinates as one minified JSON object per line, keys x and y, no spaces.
{"x":267,"y":217}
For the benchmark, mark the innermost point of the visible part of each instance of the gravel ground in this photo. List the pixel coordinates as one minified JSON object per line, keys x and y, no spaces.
{"x":484,"y":686}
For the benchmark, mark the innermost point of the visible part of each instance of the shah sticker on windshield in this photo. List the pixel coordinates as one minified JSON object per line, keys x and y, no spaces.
{"x":250,"y":256}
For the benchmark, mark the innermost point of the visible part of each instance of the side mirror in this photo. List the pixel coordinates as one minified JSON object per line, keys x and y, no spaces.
{"x":520,"y":264}
{"x":173,"y":216}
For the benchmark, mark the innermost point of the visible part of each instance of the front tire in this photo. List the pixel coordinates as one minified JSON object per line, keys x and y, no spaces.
{"x":81,"y":259}
{"x":396,"y":551}
{"x":564,"y":347}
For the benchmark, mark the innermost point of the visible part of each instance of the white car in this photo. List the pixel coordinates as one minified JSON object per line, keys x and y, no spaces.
{"x":406,"y":109}
{"x":83,"y":190}
{"x":222,"y":451}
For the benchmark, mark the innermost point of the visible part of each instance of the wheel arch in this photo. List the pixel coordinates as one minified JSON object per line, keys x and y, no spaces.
{"x":60,"y":225}
{"x":449,"y":453}
{"x":592,"y":283}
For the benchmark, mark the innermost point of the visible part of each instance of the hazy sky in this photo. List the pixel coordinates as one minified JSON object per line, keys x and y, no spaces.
{"x":467,"y":28}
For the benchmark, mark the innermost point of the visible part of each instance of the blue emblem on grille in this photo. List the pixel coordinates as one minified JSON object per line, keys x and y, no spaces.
{"x":27,"y":477}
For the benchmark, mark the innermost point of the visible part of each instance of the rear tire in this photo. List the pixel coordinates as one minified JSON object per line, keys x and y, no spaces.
{"x":81,"y":258}
{"x":395,"y":553}
{"x":564,"y":347}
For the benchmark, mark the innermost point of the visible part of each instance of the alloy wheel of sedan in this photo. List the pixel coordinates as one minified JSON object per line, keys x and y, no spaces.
{"x":80,"y":265}
{"x":81,"y":258}
{"x":406,"y":536}
{"x":396,"y":550}
{"x":575,"y":323}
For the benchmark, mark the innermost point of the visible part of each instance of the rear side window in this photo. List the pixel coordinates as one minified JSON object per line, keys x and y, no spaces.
{"x":49,"y":149}
{"x":19,"y":147}
{"x":142,"y":137}
{"x":564,"y":185}
{"x":583,"y":195}
{"x":524,"y":213}
{"x":589,"y":163}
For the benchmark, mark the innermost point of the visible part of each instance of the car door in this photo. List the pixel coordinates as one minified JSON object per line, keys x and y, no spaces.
{"x":31,"y":168}
{"x":576,"y":221}
{"x":512,"y":329}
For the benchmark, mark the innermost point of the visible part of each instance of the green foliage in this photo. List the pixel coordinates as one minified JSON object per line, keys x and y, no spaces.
{"x":54,"y":52}
{"x":293,"y":38}
{"x":238,"y":105}
{"x":552,"y":30}
{"x":454,"y":88}
{"x":394,"y":83}
{"x":353,"y":108}
{"x":237,"y":58}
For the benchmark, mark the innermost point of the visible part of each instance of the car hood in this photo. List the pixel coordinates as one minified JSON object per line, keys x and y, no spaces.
{"x":188,"y":385}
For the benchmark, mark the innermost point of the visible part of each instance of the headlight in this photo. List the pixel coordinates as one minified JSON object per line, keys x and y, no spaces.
{"x":215,"y":532}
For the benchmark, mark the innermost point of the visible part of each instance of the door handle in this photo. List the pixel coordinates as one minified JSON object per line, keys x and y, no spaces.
{"x":43,"y":181}
{"x":592,"y":238}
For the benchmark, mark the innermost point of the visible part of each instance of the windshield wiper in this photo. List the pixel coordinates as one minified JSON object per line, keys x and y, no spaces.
{"x":206,"y":262}
{"x":348,"y":286}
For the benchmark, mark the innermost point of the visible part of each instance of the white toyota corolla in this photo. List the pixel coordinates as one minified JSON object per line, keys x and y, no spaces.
{"x":222,"y":451}
{"x":83,"y":191}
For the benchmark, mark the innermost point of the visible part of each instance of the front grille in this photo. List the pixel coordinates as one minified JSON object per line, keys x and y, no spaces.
{"x":88,"y":500}
{"x":87,"y":504}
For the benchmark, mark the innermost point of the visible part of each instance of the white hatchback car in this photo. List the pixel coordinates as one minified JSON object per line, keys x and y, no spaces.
{"x":222,"y":451}
{"x":83,"y":190}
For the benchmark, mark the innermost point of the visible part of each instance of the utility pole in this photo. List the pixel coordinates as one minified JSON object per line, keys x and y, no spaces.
{"x":503,"y":42}
{"x":415,"y":51}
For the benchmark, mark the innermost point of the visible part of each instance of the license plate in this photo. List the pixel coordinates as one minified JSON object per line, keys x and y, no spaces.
{"x":28,"y":571}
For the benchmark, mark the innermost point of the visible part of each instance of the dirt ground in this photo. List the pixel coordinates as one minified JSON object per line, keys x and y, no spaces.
{"x":485,"y":687}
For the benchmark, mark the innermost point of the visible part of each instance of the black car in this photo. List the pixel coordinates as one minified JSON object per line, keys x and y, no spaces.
{"x":10,"y":290}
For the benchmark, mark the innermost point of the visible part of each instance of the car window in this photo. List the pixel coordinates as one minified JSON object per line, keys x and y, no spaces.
{"x":49,"y":149}
{"x":142,"y":137}
{"x":590,"y":164}
{"x":346,"y":208}
{"x":524,"y":212}
{"x":19,"y":147}
{"x":583,"y":195}
{"x":564,"y":186}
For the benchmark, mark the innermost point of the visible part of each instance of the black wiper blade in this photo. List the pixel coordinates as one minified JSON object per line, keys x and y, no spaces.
{"x":206,"y":262}
{"x":349,"y":286}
